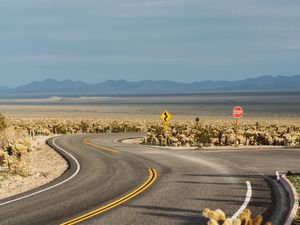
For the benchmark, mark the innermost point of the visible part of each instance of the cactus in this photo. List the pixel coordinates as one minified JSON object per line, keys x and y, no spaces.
{"x":187,"y":134}
{"x":3,"y":122}
{"x":13,"y":146}
{"x":217,"y":217}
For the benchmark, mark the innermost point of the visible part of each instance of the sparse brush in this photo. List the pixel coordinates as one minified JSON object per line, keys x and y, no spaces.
{"x":228,"y":222}
{"x":2,"y":157}
{"x":14,"y":145}
{"x":212,"y":222}
{"x":258,"y":220}
{"x":206,"y":212}
{"x":183,"y":133}
{"x":245,"y":217}
{"x":3,"y":122}
{"x":221,"y":215}
{"x":217,"y":217}
{"x":213,"y":215}
{"x":237,"y":222}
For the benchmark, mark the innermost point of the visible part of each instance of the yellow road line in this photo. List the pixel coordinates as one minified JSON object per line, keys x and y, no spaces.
{"x":87,"y":142}
{"x":146,"y":185}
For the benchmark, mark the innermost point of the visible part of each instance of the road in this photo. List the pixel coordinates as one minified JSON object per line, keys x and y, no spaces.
{"x":103,"y":171}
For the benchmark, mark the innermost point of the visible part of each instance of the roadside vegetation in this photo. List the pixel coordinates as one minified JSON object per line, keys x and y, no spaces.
{"x":206,"y":135}
{"x":218,"y":217}
{"x":179,"y":134}
{"x":14,"y":145}
{"x":75,"y":126}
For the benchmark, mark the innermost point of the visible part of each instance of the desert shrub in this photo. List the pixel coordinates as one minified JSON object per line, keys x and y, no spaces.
{"x":181,"y":133}
{"x":203,"y":137}
{"x":224,"y":135}
{"x":2,"y":157}
{"x":3,"y":122}
{"x":14,"y":145}
{"x":218,"y":217}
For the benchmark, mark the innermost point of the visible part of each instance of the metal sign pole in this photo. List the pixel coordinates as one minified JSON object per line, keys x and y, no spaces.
{"x":237,"y":113}
{"x":236,"y":132}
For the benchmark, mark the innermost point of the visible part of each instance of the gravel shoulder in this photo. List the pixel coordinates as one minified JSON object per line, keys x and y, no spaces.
{"x":42,"y":165}
{"x":295,"y":179}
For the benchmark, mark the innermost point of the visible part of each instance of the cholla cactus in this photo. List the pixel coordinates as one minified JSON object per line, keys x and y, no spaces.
{"x":3,"y":122}
{"x":13,"y":146}
{"x":218,"y":217}
{"x":224,"y":135}
{"x":213,"y":133}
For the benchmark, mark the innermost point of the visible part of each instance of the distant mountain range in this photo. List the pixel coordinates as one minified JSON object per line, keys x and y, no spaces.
{"x":52,"y":87}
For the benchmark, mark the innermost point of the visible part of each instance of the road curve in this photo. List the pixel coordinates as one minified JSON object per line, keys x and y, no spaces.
{"x":187,"y":182}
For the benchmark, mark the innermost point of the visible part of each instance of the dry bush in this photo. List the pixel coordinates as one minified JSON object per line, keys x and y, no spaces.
{"x":181,"y":133}
{"x":223,"y":134}
{"x":76,"y":126}
{"x":14,"y":145}
{"x":3,"y":122}
{"x":218,"y":217}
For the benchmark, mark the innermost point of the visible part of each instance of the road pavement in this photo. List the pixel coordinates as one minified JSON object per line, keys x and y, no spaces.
{"x":103,"y":171}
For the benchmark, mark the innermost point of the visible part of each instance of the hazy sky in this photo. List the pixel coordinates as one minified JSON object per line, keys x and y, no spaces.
{"x":183,"y":40}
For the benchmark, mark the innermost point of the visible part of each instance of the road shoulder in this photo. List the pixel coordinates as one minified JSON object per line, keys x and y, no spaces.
{"x":42,"y":165}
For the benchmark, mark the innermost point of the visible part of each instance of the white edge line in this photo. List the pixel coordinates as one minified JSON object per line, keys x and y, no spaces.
{"x":278,"y":174}
{"x":246,"y":202}
{"x":51,"y":187}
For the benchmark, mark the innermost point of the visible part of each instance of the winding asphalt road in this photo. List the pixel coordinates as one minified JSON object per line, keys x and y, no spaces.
{"x":182,"y":183}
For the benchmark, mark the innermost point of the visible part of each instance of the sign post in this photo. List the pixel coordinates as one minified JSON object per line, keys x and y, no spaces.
{"x":197,"y":122}
{"x":237,"y":114}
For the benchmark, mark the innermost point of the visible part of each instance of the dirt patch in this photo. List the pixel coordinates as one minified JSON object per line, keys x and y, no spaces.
{"x":133,"y":141}
{"x":42,"y":165}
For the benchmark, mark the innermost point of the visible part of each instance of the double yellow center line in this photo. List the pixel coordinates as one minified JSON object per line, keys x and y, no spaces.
{"x":139,"y":190}
{"x":87,"y":142}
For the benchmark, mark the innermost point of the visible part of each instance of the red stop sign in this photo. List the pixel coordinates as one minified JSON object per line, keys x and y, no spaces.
{"x":238,"y":112}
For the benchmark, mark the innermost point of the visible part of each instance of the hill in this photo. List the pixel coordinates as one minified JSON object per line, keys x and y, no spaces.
{"x":52,"y":87}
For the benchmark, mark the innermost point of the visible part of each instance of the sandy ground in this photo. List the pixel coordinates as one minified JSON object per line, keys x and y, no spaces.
{"x":276,"y":108}
{"x":44,"y":165}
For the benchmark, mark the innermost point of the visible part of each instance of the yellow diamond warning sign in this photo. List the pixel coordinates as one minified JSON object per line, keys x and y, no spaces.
{"x":165,"y":116}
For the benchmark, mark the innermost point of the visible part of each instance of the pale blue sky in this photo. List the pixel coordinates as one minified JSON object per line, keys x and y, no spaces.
{"x":182,"y":40}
